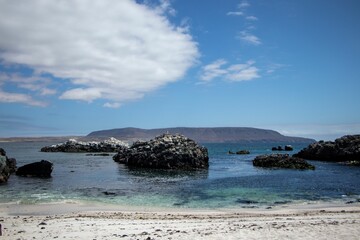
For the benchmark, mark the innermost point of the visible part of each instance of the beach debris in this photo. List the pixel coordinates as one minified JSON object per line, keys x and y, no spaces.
{"x":165,"y":152}
{"x":73,"y":145}
{"x":7,"y":166}
{"x":346,"y":148}
{"x":281,"y":161}
{"x":40,"y":169}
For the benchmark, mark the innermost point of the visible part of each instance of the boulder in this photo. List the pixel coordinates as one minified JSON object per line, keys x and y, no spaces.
{"x":7,"y":166}
{"x":165,"y":152}
{"x":278,"y":148}
{"x":40,"y":169}
{"x":346,"y":148}
{"x":74,"y":146}
{"x":288,"y":148}
{"x":281,"y":161}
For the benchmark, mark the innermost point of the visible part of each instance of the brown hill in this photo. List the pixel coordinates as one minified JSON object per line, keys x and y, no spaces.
{"x":203,"y":135}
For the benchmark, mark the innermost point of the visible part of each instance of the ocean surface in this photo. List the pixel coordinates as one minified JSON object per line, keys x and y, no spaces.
{"x":230,"y":182}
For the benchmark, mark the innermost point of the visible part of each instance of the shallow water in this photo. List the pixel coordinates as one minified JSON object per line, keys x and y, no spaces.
{"x":231,"y":181}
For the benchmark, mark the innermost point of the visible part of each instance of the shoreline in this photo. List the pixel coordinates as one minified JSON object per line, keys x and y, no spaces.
{"x":95,"y":221}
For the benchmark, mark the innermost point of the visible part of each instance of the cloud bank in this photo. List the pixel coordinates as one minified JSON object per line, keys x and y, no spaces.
{"x":109,"y":49}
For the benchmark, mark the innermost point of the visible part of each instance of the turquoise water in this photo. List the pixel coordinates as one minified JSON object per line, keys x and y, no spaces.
{"x":230,"y":182}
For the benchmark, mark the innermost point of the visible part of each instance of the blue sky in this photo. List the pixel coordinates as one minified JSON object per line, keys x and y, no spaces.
{"x":72,"y":67}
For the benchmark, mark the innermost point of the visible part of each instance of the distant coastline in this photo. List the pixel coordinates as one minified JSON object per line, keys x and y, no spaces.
{"x":38,"y":139}
{"x":203,"y":135}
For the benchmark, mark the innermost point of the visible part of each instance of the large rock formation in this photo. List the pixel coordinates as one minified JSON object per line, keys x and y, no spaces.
{"x":281,"y":161}
{"x":7,"y":166}
{"x":72,"y":145}
{"x":346,"y":148}
{"x":165,"y":152}
{"x":42,"y":169}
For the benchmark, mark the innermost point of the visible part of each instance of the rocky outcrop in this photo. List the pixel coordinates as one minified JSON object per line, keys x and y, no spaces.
{"x":241,"y":152}
{"x":7,"y":166}
{"x":165,"y":152}
{"x":346,"y":148}
{"x":280,"y":148}
{"x":42,"y":169}
{"x":72,"y":145}
{"x":281,"y":161}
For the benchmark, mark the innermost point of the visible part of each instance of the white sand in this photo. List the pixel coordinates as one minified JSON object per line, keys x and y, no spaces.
{"x":89,"y":221}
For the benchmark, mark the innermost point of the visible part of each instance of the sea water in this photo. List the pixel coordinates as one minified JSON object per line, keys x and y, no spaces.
{"x":230,"y":182}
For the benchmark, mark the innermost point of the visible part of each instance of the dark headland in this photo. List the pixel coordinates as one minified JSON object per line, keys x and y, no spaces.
{"x":203,"y":135}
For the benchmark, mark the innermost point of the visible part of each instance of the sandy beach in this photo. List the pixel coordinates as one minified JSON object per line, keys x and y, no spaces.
{"x":87,"y":221}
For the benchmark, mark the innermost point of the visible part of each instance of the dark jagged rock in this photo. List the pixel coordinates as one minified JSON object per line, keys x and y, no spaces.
{"x":7,"y":166}
{"x":281,"y":161}
{"x":72,"y":145}
{"x":11,"y":162}
{"x":42,"y":169}
{"x":280,"y":148}
{"x":165,"y":152}
{"x":288,"y":148}
{"x":346,"y":148}
{"x":243,"y":152}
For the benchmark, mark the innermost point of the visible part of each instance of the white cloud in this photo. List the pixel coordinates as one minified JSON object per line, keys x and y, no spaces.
{"x":272,"y":67}
{"x":235,"y":72}
{"x":244,"y":4}
{"x":34,"y":84}
{"x":249,"y":38}
{"x":8,"y":97}
{"x":110,"y":49}
{"x":213,"y":70}
{"x":165,"y":7}
{"x":235,"y":13}
{"x":251,"y":18}
{"x":112,"y":105}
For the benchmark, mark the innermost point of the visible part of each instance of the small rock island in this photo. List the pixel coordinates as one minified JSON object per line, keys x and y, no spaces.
{"x":281,"y":161}
{"x":74,"y":146}
{"x":166,"y":151}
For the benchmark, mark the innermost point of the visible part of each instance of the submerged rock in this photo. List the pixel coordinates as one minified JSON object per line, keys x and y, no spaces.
{"x":346,"y":148}
{"x":7,"y":166}
{"x":281,"y":161}
{"x":72,"y":145}
{"x":165,"y":152}
{"x":243,"y":152}
{"x":42,"y":169}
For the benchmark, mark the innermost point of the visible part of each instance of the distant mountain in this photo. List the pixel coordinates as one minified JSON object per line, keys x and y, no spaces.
{"x":203,"y":135}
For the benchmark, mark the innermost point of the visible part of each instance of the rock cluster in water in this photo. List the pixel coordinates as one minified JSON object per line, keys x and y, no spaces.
{"x":280,"y":148}
{"x":42,"y":169}
{"x":346,"y":148}
{"x":7,"y":166}
{"x":281,"y":161}
{"x":165,"y":152}
{"x":241,"y":152}
{"x":72,"y":145}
